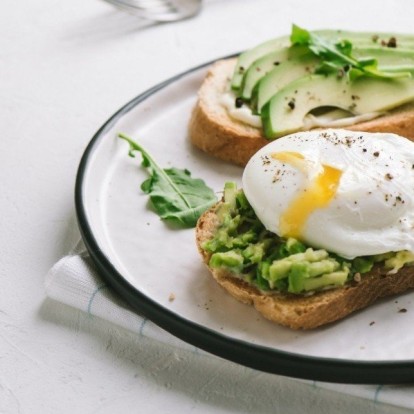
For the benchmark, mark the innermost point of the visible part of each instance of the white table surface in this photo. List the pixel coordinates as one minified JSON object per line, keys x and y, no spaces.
{"x":65,"y":67}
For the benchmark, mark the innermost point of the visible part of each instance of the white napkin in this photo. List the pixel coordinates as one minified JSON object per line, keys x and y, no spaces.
{"x":74,"y":281}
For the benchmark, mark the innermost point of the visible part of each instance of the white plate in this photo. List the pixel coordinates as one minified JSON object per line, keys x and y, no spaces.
{"x":146,"y":261}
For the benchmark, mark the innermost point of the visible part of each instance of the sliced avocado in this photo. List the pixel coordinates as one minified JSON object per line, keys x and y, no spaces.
{"x":246,"y":59}
{"x":254,"y":252}
{"x":322,"y":267}
{"x":249,"y":56}
{"x":387,"y":58}
{"x":281,"y":76}
{"x":299,"y":280}
{"x":265,"y":64}
{"x":279,"y":269}
{"x":309,"y":255}
{"x":230,"y":192}
{"x":298,"y":274}
{"x":295,"y":68}
{"x":361,"y":40}
{"x":232,"y":260}
{"x":401,"y":258}
{"x":285,"y":112}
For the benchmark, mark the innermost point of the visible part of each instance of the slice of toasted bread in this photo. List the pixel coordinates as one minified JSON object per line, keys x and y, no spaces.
{"x":298,"y":311}
{"x":212,"y":129}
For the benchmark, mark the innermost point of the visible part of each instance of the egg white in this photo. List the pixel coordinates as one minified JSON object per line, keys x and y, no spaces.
{"x":372,"y":209}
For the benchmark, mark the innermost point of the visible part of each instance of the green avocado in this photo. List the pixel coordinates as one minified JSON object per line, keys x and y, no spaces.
{"x":247,"y":58}
{"x":244,"y":247}
{"x":362,"y":40}
{"x":265,"y":64}
{"x":281,"y":76}
{"x":300,"y":280}
{"x":286,"y":110}
{"x":388,"y":59}
{"x":283,"y":61}
{"x":296,"y":67}
{"x":400,"y":259}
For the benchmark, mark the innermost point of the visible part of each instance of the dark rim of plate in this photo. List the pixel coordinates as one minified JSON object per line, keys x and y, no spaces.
{"x":254,"y":356}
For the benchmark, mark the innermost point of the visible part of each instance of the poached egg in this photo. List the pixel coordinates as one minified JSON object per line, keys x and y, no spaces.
{"x":351,"y":193}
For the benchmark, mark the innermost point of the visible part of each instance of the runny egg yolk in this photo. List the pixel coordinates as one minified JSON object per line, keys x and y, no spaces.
{"x":318,"y":194}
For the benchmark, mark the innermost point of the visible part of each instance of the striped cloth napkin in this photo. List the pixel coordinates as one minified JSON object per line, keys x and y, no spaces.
{"x":74,"y":281}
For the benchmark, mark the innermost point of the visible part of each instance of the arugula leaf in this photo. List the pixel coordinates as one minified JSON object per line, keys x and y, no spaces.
{"x":338,"y":57}
{"x":174,"y":194}
{"x":299,"y":36}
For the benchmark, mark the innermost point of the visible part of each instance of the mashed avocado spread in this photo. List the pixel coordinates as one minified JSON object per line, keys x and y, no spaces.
{"x":243,"y":246}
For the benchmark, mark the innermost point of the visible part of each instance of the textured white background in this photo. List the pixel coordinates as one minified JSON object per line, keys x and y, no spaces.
{"x":65,"y":67}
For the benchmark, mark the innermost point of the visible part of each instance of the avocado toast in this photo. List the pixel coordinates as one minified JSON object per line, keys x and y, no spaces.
{"x":280,"y":87}
{"x":297,"y":311}
{"x":321,"y":229}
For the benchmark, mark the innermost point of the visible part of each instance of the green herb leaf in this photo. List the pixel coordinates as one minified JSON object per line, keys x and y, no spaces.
{"x":338,"y":56}
{"x":174,"y":194}
{"x":299,"y":36}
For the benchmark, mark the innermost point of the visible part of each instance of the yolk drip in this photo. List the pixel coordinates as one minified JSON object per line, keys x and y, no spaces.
{"x":317,"y":195}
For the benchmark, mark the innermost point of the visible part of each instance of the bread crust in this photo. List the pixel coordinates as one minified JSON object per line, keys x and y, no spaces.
{"x":213,"y":131}
{"x":298,"y":311}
